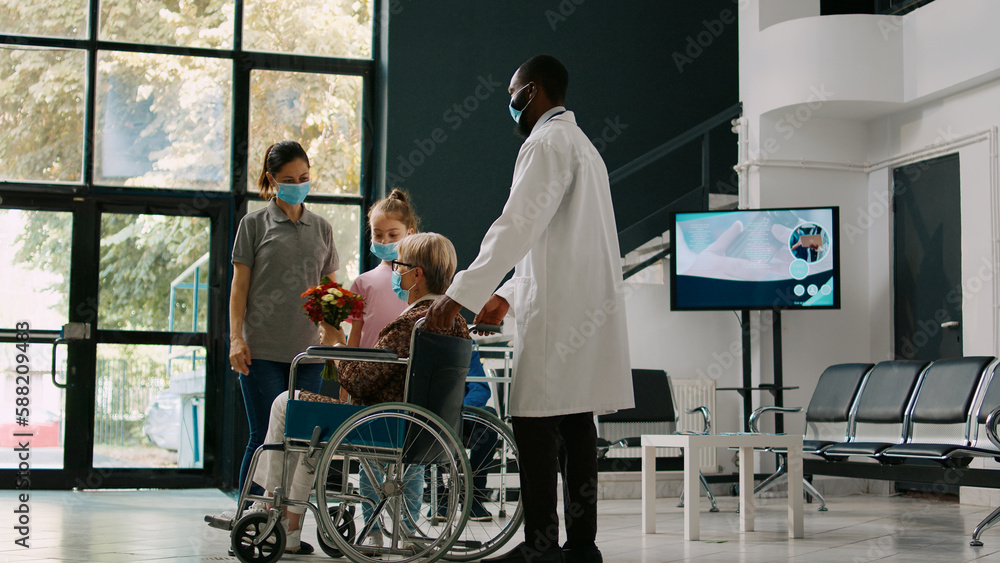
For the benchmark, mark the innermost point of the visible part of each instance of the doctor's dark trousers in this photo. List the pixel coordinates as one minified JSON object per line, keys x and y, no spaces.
{"x":538,"y":444}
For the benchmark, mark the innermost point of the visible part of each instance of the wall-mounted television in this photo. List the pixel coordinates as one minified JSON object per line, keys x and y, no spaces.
{"x":755,"y":259}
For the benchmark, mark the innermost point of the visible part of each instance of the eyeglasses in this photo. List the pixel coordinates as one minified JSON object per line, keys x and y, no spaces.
{"x":396,"y":264}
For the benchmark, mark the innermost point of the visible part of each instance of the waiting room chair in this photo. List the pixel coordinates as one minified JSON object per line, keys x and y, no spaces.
{"x":879,"y":419}
{"x":827,"y":419}
{"x":654,"y":413}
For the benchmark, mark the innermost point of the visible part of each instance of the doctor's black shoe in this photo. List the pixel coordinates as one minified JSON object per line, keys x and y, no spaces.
{"x":588,"y":554}
{"x":525,"y":554}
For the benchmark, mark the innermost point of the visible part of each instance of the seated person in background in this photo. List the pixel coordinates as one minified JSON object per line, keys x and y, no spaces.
{"x":422,"y":273}
{"x":480,"y":440}
{"x":482,"y":444}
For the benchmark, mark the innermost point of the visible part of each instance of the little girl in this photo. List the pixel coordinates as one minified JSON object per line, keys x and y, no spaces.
{"x":390,"y":220}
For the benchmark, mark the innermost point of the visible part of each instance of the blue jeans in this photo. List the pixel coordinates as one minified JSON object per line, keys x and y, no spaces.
{"x":266,"y":381}
{"x":413,"y":488}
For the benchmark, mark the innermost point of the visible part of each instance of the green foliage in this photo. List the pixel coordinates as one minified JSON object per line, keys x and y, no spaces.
{"x":170,"y":118}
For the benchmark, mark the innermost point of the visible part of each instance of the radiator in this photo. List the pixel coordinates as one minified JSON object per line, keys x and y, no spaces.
{"x":689,"y":394}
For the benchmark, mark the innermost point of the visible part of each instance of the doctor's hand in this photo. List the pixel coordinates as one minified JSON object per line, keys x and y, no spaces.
{"x":493,"y":312}
{"x":441,"y":313}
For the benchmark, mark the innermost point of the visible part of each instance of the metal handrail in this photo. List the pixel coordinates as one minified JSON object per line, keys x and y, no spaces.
{"x":657,"y":222}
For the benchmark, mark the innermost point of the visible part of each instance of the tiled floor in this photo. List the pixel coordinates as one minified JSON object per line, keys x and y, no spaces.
{"x":167,"y":526}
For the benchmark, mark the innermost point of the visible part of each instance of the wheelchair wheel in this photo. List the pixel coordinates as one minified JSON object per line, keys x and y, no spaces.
{"x":252,"y":543}
{"x":381,"y":454}
{"x":496,"y":492}
{"x":344,"y":526}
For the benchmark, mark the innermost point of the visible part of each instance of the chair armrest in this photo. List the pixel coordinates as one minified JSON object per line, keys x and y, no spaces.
{"x":992,"y":420}
{"x":706,"y":418}
{"x":343,"y":353}
{"x":354,"y":354}
{"x":756,"y":414}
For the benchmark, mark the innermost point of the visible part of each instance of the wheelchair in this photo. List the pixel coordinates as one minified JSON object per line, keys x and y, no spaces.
{"x":499,"y":493}
{"x":365,"y":462}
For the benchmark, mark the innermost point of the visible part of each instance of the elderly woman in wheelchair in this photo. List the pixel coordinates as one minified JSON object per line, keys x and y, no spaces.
{"x":388,"y":448}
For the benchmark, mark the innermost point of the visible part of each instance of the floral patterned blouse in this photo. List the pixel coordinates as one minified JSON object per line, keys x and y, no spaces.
{"x":370,"y":383}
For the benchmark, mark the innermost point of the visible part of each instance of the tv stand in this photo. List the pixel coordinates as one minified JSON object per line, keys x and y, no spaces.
{"x":777,"y":387}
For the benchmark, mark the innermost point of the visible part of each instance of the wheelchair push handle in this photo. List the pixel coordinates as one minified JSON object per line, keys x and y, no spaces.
{"x":485,"y":328}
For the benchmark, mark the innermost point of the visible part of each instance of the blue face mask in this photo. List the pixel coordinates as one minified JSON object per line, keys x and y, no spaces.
{"x":516,"y":113}
{"x":397,"y":288}
{"x":385,"y":252}
{"x":293,"y":194}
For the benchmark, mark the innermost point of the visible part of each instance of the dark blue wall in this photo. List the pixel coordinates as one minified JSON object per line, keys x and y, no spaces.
{"x":641,"y":72}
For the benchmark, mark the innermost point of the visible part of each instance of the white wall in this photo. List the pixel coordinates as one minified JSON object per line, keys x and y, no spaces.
{"x":832,"y":105}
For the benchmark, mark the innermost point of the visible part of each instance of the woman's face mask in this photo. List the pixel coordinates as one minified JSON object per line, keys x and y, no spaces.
{"x":293,"y":194}
{"x":397,"y":286}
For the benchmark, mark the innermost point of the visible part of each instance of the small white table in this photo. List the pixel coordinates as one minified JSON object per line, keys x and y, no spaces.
{"x":692,"y":492}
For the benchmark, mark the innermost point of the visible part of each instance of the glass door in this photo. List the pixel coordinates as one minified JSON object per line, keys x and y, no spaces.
{"x":34,"y":264}
{"x":126,"y":406}
{"x":149,"y":401}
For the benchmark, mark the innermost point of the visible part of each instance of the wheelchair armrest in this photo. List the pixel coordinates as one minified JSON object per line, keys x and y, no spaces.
{"x":756,"y":414}
{"x":706,"y":417}
{"x":355,"y":354}
{"x":992,"y":420}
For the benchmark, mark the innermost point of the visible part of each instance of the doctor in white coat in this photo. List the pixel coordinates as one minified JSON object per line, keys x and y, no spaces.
{"x":557,"y":230}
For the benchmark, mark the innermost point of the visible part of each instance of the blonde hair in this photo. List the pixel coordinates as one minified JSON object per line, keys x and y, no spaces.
{"x":435,"y":254}
{"x":396,"y":206}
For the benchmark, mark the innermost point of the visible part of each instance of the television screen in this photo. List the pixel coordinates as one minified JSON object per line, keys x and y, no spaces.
{"x":756,"y":259}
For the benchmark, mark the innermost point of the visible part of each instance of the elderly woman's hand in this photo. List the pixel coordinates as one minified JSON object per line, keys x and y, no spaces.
{"x":330,"y":335}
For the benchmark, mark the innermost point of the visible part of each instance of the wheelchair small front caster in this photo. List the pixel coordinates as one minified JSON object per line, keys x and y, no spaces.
{"x":251,"y":545}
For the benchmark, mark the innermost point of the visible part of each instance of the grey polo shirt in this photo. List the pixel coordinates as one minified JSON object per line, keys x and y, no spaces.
{"x":285,"y":259}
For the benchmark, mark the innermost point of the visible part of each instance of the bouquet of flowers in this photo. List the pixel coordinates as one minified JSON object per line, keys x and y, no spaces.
{"x":332,"y":303}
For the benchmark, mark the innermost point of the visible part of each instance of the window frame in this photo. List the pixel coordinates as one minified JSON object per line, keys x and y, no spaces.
{"x":223,"y":450}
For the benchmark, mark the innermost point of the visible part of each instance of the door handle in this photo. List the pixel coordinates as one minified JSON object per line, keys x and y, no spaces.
{"x":70,"y":332}
{"x":950,"y":324}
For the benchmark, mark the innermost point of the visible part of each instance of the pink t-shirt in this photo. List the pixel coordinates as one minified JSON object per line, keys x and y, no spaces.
{"x":381,"y":303}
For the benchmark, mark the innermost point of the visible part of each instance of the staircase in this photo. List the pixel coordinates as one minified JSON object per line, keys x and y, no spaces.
{"x":647,"y":241}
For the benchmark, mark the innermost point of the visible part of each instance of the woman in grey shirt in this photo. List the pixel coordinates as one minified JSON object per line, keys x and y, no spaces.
{"x":279,"y":252}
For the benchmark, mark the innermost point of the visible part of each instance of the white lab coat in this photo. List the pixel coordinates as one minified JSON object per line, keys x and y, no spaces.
{"x":558,"y":231}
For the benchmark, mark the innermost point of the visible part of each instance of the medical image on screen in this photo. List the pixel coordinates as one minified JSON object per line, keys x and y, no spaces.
{"x":755,"y":259}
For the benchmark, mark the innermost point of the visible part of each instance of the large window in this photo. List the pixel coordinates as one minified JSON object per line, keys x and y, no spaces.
{"x":132,"y":139}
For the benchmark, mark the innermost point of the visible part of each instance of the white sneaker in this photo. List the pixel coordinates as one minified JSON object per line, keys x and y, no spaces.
{"x":257,"y":506}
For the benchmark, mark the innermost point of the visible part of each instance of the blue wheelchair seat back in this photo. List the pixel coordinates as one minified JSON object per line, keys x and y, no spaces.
{"x":436,"y":373}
